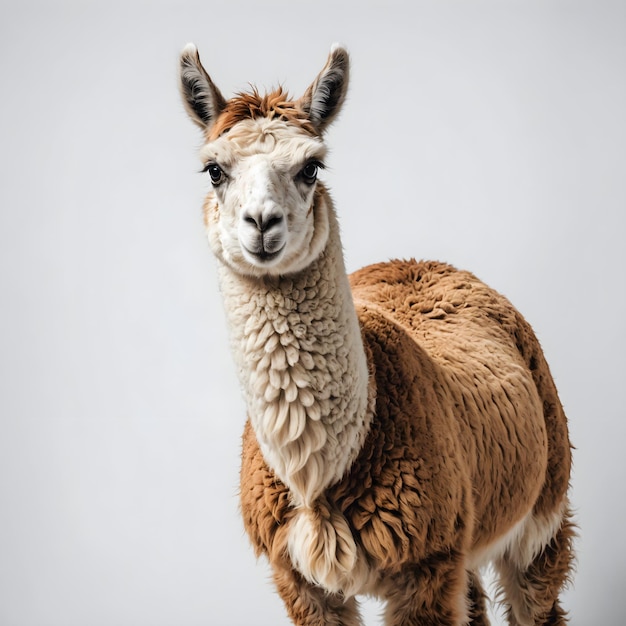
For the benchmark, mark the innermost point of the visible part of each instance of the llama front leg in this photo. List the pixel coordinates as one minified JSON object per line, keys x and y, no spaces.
{"x":431,"y":593}
{"x":477,"y":601}
{"x":310,"y":605}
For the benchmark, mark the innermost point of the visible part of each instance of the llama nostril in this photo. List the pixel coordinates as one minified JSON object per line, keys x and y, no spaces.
{"x":250,"y":220}
{"x":262,"y":224}
{"x":272,"y":221}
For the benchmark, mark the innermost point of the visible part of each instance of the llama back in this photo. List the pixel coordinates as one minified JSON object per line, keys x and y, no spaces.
{"x":499,"y":388}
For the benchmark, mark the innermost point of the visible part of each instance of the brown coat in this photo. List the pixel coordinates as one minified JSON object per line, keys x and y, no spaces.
{"x":469,"y":432}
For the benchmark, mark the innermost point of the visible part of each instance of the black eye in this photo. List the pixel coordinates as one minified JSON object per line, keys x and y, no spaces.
{"x":215,"y":172}
{"x":309,"y":172}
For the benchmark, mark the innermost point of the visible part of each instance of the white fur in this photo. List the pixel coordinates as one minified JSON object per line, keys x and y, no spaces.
{"x":325,"y":553}
{"x":522,"y":543}
{"x":190,"y":49}
{"x":261,"y":160}
{"x":296,"y":338}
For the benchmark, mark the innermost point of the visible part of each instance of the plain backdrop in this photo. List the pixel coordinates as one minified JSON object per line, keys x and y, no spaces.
{"x":491,"y":135}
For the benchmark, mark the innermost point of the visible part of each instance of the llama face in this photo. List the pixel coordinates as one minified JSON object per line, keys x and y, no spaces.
{"x":266,"y":214}
{"x":266,"y":211}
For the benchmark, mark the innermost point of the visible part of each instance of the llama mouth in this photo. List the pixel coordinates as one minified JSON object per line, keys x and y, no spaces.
{"x":264,"y":255}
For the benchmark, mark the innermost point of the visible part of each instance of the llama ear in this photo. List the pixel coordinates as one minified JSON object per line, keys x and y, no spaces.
{"x":201,"y":97}
{"x":322,"y":101}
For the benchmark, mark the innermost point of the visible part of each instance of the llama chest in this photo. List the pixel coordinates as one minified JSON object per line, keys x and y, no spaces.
{"x":405,"y":496}
{"x":303,"y":370}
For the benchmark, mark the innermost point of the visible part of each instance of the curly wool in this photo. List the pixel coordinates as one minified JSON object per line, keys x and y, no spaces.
{"x":458,"y":374}
{"x":298,"y":348}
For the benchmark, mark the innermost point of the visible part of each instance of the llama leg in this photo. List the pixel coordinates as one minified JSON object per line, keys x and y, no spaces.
{"x":309,"y":605}
{"x":477,"y":601}
{"x":432,"y":593}
{"x":531,"y":590}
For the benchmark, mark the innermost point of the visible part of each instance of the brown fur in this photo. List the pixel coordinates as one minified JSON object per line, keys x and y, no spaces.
{"x":435,"y":445}
{"x":276,"y":104}
{"x":477,"y":602}
{"x":443,"y":471}
{"x":529,"y":594}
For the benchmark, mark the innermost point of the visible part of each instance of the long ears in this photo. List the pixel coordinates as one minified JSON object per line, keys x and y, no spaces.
{"x":201,"y":97}
{"x":322,"y":101}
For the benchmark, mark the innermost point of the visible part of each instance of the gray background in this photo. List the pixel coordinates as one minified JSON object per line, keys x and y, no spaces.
{"x":488,"y":134}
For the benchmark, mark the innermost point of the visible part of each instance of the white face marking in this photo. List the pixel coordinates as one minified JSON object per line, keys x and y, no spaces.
{"x":263,"y":216}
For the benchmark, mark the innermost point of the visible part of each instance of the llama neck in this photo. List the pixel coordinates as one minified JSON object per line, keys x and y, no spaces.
{"x":298,"y":347}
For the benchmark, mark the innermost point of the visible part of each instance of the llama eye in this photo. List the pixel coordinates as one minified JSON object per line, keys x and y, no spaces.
{"x":215,"y":172}
{"x":309,"y":172}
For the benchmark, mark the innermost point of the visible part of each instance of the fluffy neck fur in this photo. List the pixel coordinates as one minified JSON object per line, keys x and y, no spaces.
{"x":298,"y":347}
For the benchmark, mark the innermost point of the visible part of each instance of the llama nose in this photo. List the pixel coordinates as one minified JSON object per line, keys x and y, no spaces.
{"x":262,"y":222}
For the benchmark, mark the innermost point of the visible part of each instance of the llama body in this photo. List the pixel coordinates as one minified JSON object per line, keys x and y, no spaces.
{"x":404,"y":429}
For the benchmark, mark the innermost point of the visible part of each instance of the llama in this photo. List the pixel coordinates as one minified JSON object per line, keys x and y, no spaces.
{"x":403,"y":427}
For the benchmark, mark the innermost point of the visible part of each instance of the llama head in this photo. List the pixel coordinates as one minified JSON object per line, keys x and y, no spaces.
{"x":266,"y":213}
